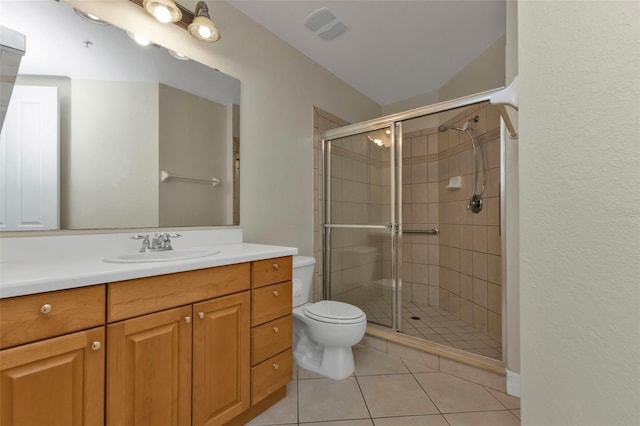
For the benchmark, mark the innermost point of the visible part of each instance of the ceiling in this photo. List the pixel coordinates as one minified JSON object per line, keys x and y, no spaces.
{"x":392,"y":50}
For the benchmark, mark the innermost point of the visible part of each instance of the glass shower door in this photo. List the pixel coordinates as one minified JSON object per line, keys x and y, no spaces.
{"x":359,"y":218}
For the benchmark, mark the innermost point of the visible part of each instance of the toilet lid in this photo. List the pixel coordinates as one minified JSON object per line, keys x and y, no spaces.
{"x":331,"y":311}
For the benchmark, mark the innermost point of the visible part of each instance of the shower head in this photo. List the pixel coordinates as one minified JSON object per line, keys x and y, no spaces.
{"x":443,"y":129}
{"x":464,"y":128}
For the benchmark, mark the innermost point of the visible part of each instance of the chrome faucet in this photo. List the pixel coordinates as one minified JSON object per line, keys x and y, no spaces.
{"x":160,"y":242}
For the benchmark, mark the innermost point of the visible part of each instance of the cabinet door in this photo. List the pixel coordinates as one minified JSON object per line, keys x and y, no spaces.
{"x":53,"y":382}
{"x":149,"y":370}
{"x":221,"y":369}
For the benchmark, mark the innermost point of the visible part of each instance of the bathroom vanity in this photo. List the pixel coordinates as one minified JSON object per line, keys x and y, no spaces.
{"x":204,"y":345}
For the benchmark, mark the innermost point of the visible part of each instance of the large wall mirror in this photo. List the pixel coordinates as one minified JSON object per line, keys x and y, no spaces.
{"x":96,"y":121}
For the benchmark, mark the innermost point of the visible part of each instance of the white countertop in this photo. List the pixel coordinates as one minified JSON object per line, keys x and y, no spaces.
{"x":29,"y":276}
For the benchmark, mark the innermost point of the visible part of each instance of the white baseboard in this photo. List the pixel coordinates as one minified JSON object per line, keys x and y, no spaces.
{"x":513,"y":383}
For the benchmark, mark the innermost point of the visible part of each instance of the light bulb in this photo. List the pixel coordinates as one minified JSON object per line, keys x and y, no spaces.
{"x":142,"y":41}
{"x":162,"y":14}
{"x":204,"y":31}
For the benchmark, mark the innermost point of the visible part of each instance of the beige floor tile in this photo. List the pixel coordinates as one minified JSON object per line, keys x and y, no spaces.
{"x":283,"y":412}
{"x":327,"y":399}
{"x":395,"y":395}
{"x":303,"y":374}
{"x":430,"y":420}
{"x":490,"y":418}
{"x":511,"y":402}
{"x":372,"y":362}
{"x":476,"y":375}
{"x":415,"y":367}
{"x":516,"y":413}
{"x":362,"y":422}
{"x":452,"y":394}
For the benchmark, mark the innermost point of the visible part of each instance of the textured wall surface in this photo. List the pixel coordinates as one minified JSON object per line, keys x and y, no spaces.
{"x":580,"y":212}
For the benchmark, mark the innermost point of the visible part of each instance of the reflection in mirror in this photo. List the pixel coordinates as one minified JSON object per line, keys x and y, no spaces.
{"x":94,"y":119}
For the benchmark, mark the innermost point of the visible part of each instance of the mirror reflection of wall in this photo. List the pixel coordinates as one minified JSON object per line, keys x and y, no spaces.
{"x":125,"y":113}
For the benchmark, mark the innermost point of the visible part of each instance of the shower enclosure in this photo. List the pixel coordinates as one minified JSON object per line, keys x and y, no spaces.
{"x":411,"y":222}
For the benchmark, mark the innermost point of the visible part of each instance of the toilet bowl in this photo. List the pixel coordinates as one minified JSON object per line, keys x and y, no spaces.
{"x":323,"y":332}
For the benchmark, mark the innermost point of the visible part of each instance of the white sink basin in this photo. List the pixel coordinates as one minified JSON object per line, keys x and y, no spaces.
{"x":162,"y":256}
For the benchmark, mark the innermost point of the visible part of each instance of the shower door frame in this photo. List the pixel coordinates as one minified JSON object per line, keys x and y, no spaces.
{"x":394,"y":122}
{"x":391,"y":226}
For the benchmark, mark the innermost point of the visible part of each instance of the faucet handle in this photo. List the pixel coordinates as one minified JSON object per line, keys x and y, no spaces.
{"x":145,"y":242}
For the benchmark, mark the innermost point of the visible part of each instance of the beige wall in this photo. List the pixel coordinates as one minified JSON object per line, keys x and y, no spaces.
{"x":580,"y":212}
{"x":280,"y":86}
{"x":108,"y":186}
{"x":486,"y":72}
{"x":411,"y":103}
{"x":195,"y":141}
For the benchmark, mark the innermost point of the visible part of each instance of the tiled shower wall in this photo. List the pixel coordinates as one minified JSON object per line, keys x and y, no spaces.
{"x":322,"y":121}
{"x":359,"y":195}
{"x":459,"y":270}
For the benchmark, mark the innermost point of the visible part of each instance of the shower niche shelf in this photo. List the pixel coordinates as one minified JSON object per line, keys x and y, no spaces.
{"x":455,"y":183}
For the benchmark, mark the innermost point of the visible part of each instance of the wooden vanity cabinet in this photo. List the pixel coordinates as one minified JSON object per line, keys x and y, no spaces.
{"x":53,"y":380}
{"x":186,"y":365}
{"x":203,"y":347}
{"x":272,"y":326}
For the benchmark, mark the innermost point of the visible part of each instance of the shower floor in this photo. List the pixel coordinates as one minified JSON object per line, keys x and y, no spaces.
{"x":433,"y":324}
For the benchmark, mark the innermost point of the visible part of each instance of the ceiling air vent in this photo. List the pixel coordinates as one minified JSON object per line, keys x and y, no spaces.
{"x":325,"y":24}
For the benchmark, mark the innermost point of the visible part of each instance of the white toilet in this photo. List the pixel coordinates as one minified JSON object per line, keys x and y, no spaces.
{"x":323,"y":332}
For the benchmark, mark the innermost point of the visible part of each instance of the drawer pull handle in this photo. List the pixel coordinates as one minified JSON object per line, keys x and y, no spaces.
{"x":276,"y":266}
{"x":96,"y":345}
{"x":46,"y":308}
{"x":275,"y":366}
{"x":276,"y":329}
{"x":276,"y":293}
{"x":187,"y":320}
{"x":201,"y":315}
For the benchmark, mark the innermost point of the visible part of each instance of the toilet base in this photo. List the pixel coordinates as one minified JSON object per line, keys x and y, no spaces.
{"x":334,"y":363}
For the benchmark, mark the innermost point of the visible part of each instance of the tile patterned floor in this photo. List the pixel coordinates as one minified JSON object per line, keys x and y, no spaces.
{"x":434,"y":324}
{"x":389,"y":391}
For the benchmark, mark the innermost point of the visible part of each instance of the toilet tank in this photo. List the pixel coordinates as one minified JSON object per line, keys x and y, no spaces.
{"x":302,"y":279}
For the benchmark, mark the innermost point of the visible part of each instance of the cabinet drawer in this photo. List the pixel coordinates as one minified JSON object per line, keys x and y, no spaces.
{"x":271,"y":302}
{"x":142,"y":296}
{"x":39,"y":316}
{"x":271,"y":338}
{"x":271,"y":375}
{"x":271,"y":271}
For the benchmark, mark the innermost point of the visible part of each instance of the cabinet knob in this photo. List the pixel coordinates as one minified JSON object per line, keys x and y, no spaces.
{"x":275,"y":366}
{"x":96,"y":345}
{"x":276,"y":266}
{"x":46,"y":308}
{"x":276,"y":329}
{"x":187,"y":320}
{"x":201,"y":315}
{"x":276,"y":293}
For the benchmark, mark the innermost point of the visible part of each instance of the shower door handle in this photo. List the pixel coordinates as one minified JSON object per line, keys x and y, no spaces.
{"x":392,"y":226}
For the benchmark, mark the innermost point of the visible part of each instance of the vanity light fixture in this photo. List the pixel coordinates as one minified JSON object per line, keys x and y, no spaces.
{"x":178,"y":55}
{"x":164,"y":11}
{"x":202,"y":27}
{"x":141,"y":40}
{"x":91,"y":18}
